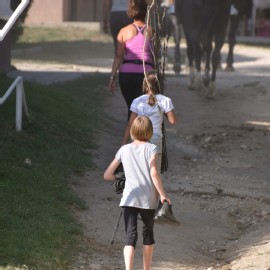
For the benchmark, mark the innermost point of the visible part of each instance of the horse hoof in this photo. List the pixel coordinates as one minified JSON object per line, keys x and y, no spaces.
{"x":229,"y":68}
{"x":211,"y":91}
{"x":206,"y":81}
{"x":210,"y":94}
{"x":198,"y":83}
{"x":191,"y":87}
{"x":219,"y":67}
{"x":201,"y":91}
{"x":177,"y":68}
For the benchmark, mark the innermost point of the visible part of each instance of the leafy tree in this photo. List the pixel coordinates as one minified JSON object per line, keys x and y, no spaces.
{"x":17,"y":29}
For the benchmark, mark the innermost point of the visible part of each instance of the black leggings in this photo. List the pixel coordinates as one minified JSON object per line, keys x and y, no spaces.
{"x":130,"y":215}
{"x":131,"y":87}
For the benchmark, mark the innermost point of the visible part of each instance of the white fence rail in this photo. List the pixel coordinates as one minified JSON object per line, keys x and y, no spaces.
{"x":20,"y":101}
{"x":15,"y":15}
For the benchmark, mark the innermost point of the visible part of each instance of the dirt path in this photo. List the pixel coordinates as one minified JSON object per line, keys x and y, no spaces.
{"x":218,"y":177}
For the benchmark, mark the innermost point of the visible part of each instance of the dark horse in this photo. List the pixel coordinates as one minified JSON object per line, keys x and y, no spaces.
{"x":204,"y":22}
{"x":239,"y":9}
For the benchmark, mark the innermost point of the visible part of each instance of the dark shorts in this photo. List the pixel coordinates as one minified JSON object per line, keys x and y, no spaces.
{"x":130,"y":215}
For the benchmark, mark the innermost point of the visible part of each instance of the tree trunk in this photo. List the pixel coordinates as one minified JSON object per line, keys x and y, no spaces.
{"x":5,"y":51}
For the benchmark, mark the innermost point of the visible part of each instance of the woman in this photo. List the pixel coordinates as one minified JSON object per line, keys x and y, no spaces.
{"x":133,"y":56}
{"x":153,"y":105}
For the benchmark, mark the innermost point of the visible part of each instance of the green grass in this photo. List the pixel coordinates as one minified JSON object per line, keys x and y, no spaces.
{"x":33,"y":34}
{"x":37,"y":228}
{"x":62,"y":45}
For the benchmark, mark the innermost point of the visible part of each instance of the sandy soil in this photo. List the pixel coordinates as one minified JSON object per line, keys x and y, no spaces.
{"x":218,"y":177}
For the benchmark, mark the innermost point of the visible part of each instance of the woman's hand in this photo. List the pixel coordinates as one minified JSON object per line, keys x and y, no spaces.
{"x":118,"y":58}
{"x":112,"y":85}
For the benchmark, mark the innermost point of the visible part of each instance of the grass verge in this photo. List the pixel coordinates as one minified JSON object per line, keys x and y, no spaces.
{"x":61,"y":45}
{"x":36,"y":224}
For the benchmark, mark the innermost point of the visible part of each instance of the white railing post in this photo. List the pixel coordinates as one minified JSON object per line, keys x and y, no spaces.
{"x":24,"y":104}
{"x":19,"y":103}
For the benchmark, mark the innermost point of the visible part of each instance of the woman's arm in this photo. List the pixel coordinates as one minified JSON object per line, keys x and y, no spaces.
{"x":157,"y":179}
{"x":118,"y":58}
{"x":109,"y":173}
{"x":127,"y":130}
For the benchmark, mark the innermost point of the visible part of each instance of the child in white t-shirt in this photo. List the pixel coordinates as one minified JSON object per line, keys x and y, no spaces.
{"x":143,"y":188}
{"x":155,"y":106}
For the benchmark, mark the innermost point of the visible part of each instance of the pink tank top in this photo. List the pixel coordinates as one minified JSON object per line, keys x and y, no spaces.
{"x":134,"y":51}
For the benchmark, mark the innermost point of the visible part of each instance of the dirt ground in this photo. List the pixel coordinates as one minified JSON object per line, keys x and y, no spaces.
{"x":218,"y":177}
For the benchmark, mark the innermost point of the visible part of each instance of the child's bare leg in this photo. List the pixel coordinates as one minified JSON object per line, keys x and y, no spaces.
{"x":147,"y":256}
{"x":129,"y":253}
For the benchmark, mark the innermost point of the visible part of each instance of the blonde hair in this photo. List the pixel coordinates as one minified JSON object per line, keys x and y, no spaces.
{"x":151,"y":86}
{"x":141,"y":129}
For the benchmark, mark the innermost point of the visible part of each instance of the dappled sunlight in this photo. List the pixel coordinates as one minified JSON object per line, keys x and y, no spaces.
{"x":259,"y":124}
{"x":53,"y":73}
{"x":254,"y":252}
{"x":159,"y":265}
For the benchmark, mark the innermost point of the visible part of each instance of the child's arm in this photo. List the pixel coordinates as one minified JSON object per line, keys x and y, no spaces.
{"x":109,"y":173}
{"x":132,"y":117}
{"x":157,"y":179}
{"x":171,"y":117}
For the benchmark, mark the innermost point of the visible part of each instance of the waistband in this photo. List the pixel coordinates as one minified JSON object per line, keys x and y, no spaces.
{"x":137,"y":62}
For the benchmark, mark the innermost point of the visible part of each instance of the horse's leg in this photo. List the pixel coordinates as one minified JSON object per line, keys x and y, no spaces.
{"x":177,"y":38}
{"x":219,"y":34}
{"x":190,"y":15}
{"x":198,"y":60}
{"x":216,"y":56}
{"x":190,"y":56}
{"x":208,"y":50}
{"x":234,"y":21}
{"x":166,"y":34}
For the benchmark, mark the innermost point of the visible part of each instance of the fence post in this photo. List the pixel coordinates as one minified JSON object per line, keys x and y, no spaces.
{"x":18,"y":113}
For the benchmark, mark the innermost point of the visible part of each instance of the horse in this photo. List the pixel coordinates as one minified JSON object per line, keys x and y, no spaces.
{"x":238,"y":10}
{"x":203,"y":21}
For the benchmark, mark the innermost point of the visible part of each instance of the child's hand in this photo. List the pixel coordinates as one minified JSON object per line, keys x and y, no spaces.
{"x":163,"y":199}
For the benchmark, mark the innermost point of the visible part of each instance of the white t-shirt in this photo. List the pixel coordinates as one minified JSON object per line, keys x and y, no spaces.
{"x":119,"y":5}
{"x":139,"y":190}
{"x":164,"y":104}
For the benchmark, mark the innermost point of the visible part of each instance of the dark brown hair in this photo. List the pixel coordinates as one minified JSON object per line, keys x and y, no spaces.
{"x":151,"y":86}
{"x":137,"y":9}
